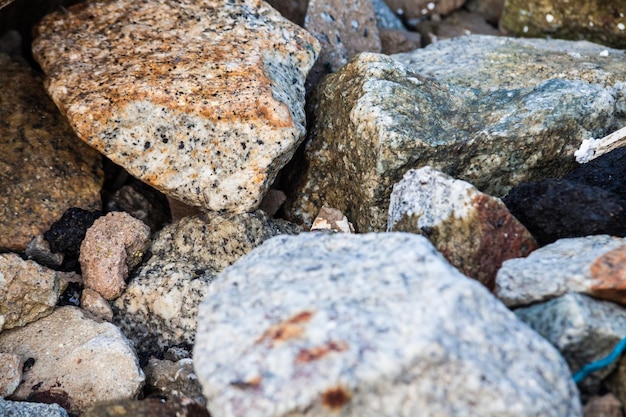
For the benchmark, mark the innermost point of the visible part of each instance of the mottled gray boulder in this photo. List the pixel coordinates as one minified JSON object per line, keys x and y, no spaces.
{"x":582,"y":328}
{"x":592,"y":265}
{"x":368,"y":325}
{"x":159,"y":306}
{"x":488,"y":110}
{"x":24,"y":409}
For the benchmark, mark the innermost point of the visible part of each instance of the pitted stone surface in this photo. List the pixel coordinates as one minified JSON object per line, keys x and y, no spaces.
{"x":201,"y":99}
{"x":368,"y":325}
{"x":26,"y":409}
{"x":44,"y":168}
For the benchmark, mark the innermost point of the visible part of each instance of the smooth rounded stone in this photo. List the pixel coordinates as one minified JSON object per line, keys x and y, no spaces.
{"x":594,"y":20}
{"x":158,"y":309}
{"x":10,"y":373}
{"x":474,"y":231}
{"x":593,"y":265}
{"x":28,"y":291}
{"x":419,"y":9}
{"x":150,"y":407}
{"x":77,"y":361}
{"x":582,"y":328}
{"x":211,"y":124}
{"x":45,"y":168}
{"x":168,"y":379}
{"x":28,"y":409}
{"x":113,"y":246}
{"x":368,"y":325}
{"x":555,"y":208}
{"x":96,"y":304}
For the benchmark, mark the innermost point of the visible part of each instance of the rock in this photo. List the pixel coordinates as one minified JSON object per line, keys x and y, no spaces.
{"x":344,"y":28}
{"x":332,"y":219}
{"x":24,"y":409}
{"x":167,"y":379}
{"x":294,"y":10}
{"x":113,"y":246}
{"x":592,"y":148}
{"x":159,"y":307}
{"x":140,"y":203}
{"x":582,"y":328}
{"x":151,"y":407}
{"x":385,"y":17}
{"x":607,"y":171}
{"x":364,"y":325}
{"x":44,"y":168}
{"x":209,"y":125}
{"x":28,"y":291}
{"x":418,"y":9}
{"x":10,"y":374}
{"x":273,"y":201}
{"x":180,"y":209}
{"x":474,"y":231}
{"x":394,"y":41}
{"x":488,"y":110}
{"x":490,"y":9}
{"x":459,"y":23}
{"x":616,"y":382}
{"x":96,"y":304}
{"x":38,"y":250}
{"x":593,"y":20}
{"x":592,"y":265}
{"x":603,"y":406}
{"x":77,"y":360}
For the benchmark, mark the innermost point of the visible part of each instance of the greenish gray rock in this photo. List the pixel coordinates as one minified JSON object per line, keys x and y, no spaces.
{"x":488,"y":110}
{"x":158,"y":309}
{"x":594,"y":20}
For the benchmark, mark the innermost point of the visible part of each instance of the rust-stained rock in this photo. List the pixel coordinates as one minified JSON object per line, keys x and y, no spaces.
{"x":608,"y":275}
{"x":44,"y":168}
{"x":204,"y":100}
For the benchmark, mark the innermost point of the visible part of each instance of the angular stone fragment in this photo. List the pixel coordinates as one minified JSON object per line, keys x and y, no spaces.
{"x":77,"y":361}
{"x":332,"y":219}
{"x":368,"y":325}
{"x":474,"y":231}
{"x":594,"y":265}
{"x":28,"y":291}
{"x":10,"y":373}
{"x":203,"y":100}
{"x":44,"y":168}
{"x":30,"y":409}
{"x":96,"y":304}
{"x":488,"y":110}
{"x":159,"y":307}
{"x":167,"y":379}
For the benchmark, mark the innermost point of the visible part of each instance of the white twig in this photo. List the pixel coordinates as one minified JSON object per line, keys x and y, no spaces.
{"x":593,"y":148}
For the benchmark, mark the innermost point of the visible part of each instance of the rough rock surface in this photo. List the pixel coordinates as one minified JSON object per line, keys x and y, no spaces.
{"x":28,"y":291}
{"x":26,"y":409}
{"x":151,"y":407}
{"x":394,"y":41}
{"x":44,"y":168}
{"x":10,"y":373}
{"x":607,"y":171}
{"x":142,"y":203}
{"x":368,"y":325}
{"x":418,"y":9}
{"x":594,"y":265}
{"x":168,"y":379}
{"x":488,"y":110}
{"x":96,"y":304}
{"x":603,"y":406}
{"x":73,"y":357}
{"x":474,"y":231}
{"x":159,"y":307}
{"x":616,"y":382}
{"x":582,"y":328}
{"x":113,"y":246}
{"x":210,"y":124}
{"x":594,"y":20}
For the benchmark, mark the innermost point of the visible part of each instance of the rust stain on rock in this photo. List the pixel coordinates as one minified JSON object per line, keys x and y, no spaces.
{"x":318,"y":352}
{"x":608,"y":274}
{"x":336,"y":397}
{"x":291,"y":328}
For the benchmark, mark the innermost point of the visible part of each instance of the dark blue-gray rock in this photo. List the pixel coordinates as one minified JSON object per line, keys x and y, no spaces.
{"x":553,"y":209}
{"x":26,"y":409}
{"x":368,"y":325}
{"x":492,"y":111}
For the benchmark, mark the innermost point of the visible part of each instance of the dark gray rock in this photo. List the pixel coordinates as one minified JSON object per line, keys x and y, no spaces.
{"x":607,"y":171}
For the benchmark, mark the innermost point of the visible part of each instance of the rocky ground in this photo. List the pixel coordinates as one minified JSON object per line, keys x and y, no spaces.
{"x":350,"y":208}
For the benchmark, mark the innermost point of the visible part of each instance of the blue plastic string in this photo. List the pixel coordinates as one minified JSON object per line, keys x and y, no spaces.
{"x":601,"y":363}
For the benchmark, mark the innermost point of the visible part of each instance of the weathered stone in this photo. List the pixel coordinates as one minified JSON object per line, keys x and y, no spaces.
{"x":77,"y":361}
{"x":553,"y":209}
{"x":332,"y":219}
{"x":10,"y":373}
{"x":594,"y":265}
{"x":113,"y":246}
{"x":417,"y":9}
{"x":368,"y":324}
{"x":151,"y":407}
{"x":594,"y":20}
{"x":140,"y":203}
{"x":582,"y":328}
{"x":96,"y":304}
{"x":459,"y":23}
{"x":159,"y":307}
{"x":294,"y":10}
{"x":28,"y":291}
{"x":344,"y":28}
{"x":607,"y":171}
{"x":488,"y":110}
{"x":210,"y":124}
{"x":490,"y":9}
{"x":38,"y":250}
{"x":167,"y":379}
{"x":44,"y":168}
{"x":394,"y":41}
{"x":24,"y":409}
{"x":474,"y":231}
{"x":385,"y":17}
{"x":616,"y":382}
{"x":605,"y":406}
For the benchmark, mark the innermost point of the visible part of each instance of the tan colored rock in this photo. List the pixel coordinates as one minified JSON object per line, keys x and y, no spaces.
{"x":28,"y":291}
{"x":10,"y":373}
{"x":78,"y":361}
{"x":170,"y":379}
{"x":395,"y":41}
{"x":112,"y":247}
{"x":44,"y":168}
{"x":605,"y":406}
{"x":96,"y":304}
{"x":418,"y":9}
{"x":332,"y":219}
{"x":203,"y":100}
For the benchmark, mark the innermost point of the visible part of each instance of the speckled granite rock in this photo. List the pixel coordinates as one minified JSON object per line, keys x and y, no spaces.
{"x":210,"y":124}
{"x":488,"y":110}
{"x":78,"y":361}
{"x":159,"y":307}
{"x":25,"y":409}
{"x":592,"y":265}
{"x":368,"y":325}
{"x":28,"y":291}
{"x":593,"y":20}
{"x":113,"y":246}
{"x":168,"y":379}
{"x":10,"y":373}
{"x":418,"y":9}
{"x":474,"y":231}
{"x":582,"y":328}
{"x":151,"y":407}
{"x":44,"y":168}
